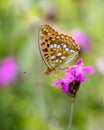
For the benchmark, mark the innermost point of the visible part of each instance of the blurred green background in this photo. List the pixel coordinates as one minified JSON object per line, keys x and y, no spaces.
{"x":30,"y":102}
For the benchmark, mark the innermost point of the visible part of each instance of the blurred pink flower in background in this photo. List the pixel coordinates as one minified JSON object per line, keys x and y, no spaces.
{"x":51,"y":13}
{"x":100,"y":64}
{"x":82,"y":39}
{"x":73,"y":77}
{"x":8,"y":71}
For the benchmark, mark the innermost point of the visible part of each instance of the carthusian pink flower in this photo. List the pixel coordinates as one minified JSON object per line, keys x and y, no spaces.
{"x":73,"y":77}
{"x":8,"y":71}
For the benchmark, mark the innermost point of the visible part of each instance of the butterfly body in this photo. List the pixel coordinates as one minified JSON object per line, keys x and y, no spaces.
{"x":57,"y":50}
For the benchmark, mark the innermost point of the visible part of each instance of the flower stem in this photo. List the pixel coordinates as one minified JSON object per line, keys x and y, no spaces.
{"x":71,"y":114}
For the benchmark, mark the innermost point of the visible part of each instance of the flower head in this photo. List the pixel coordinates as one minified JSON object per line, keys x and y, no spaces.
{"x":8,"y":71}
{"x":73,"y":77}
{"x":82,"y":39}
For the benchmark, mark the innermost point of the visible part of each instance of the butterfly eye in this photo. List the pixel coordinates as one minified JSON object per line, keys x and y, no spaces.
{"x":57,"y":50}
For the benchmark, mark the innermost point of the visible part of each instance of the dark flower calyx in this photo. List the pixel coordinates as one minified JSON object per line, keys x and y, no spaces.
{"x":73,"y":88}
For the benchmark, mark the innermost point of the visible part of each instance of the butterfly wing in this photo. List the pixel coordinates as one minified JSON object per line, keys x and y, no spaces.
{"x":57,"y":50}
{"x":46,"y":33}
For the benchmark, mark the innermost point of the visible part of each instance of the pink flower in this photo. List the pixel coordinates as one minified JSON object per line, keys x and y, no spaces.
{"x":8,"y":71}
{"x":73,"y":77}
{"x":82,"y":39}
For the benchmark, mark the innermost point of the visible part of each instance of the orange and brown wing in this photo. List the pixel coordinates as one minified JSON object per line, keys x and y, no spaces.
{"x":46,"y":33}
{"x":57,"y":50}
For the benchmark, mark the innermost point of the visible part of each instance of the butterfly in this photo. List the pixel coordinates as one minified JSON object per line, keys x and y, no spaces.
{"x":57,"y":50}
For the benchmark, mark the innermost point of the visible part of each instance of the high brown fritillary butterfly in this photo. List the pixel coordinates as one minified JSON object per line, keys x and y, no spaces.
{"x":57,"y":50}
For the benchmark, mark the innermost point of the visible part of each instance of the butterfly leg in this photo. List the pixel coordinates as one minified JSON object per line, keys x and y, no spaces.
{"x":66,"y":67}
{"x":56,"y":73}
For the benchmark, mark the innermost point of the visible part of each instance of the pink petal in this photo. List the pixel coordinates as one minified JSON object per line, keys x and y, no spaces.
{"x":72,"y":68}
{"x":88,"y":69}
{"x":82,"y":77}
{"x":65,"y":87}
{"x":80,"y":62}
{"x":69,"y":76}
{"x":57,"y":82}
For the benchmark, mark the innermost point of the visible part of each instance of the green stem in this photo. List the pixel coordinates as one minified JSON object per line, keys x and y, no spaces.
{"x":71,"y":114}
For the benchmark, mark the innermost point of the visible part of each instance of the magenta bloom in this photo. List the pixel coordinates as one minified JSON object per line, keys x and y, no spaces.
{"x":82,"y":39}
{"x":73,"y":77}
{"x":8,"y":71}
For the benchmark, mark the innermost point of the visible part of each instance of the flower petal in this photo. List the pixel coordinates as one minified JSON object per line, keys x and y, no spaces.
{"x":72,"y":68}
{"x":65,"y":87}
{"x":88,"y":69}
{"x":57,"y":82}
{"x":80,"y":62}
{"x":69,"y":76}
{"x":81,"y":77}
